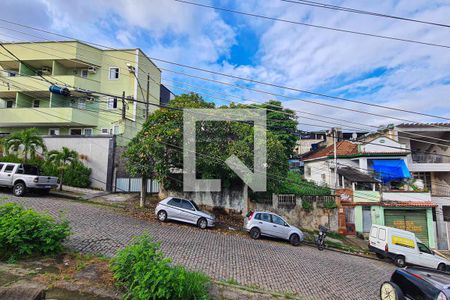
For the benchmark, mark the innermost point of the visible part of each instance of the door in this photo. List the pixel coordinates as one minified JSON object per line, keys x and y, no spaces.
{"x":367,"y":219}
{"x":350,"y":220}
{"x":427,"y":258}
{"x":187,"y":212}
{"x":6,"y":175}
{"x":278,"y":229}
{"x":410,"y":220}
{"x":265,"y":223}
{"x":174,"y":208}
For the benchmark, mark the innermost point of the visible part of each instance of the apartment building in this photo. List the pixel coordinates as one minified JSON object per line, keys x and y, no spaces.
{"x":429,"y":160}
{"x":78,"y":96}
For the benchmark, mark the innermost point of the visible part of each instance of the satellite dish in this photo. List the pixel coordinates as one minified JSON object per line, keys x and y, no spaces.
{"x":354,"y":136}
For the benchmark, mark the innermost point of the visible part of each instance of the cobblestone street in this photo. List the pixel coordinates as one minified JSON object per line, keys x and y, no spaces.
{"x":267,"y":264}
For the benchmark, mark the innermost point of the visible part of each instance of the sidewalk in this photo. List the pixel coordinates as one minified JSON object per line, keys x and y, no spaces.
{"x":76,"y":193}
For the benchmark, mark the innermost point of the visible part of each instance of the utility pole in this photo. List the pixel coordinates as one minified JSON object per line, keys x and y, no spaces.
{"x":335,"y":158}
{"x":148,"y":96}
{"x":124,"y":107}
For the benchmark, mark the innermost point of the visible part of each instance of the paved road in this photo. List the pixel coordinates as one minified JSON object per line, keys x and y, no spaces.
{"x":270,"y":265}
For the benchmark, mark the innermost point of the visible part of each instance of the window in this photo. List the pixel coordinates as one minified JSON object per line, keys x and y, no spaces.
{"x":88,"y":131}
{"x":175,"y":202}
{"x":112,"y":103}
{"x":446,"y":212}
{"x":36,"y":103}
{"x":1,"y":167}
{"x":53,"y":131}
{"x":258,"y":217}
{"x":265,"y":217}
{"x":277,"y":220}
{"x":373,"y":232}
{"x":308,"y":171}
{"x":195,"y":205}
{"x":113,"y":73}
{"x":81,"y":104}
{"x":84,"y":73}
{"x":9,"y":168}
{"x":9,"y":103}
{"x":423,"y":248}
{"x":105,"y":131}
{"x":75,"y":131}
{"x":12,"y":73}
{"x":186,"y":205}
{"x":382,"y":234}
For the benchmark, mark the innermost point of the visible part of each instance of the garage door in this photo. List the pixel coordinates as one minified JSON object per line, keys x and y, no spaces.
{"x":411,"y":220}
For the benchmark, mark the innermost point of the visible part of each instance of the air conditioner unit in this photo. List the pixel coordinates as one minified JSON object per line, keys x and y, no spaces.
{"x":90,"y":99}
{"x":92,"y":69}
{"x":46,"y":70}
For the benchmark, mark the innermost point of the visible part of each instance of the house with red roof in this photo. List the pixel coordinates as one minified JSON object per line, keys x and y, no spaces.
{"x":373,"y":185}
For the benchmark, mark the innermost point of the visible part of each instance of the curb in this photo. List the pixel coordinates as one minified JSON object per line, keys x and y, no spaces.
{"x":65,"y":195}
{"x":311,"y":244}
{"x":254,"y":290}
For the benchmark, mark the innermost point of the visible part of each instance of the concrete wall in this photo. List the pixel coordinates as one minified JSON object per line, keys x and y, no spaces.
{"x":407,"y":196}
{"x":228,"y":199}
{"x":98,"y":150}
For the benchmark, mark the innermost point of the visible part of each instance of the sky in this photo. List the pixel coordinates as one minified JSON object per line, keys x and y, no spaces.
{"x":378,"y":71}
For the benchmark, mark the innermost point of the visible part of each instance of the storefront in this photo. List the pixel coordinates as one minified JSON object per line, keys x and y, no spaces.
{"x":410,"y":220}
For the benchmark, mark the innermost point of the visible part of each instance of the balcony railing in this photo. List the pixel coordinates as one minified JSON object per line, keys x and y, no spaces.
{"x":431,"y":158}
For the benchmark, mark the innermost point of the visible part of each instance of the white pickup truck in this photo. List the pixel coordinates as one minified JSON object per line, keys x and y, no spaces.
{"x":23,"y":177}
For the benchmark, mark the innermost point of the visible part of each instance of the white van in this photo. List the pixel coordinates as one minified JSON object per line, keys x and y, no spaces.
{"x":403,"y":248}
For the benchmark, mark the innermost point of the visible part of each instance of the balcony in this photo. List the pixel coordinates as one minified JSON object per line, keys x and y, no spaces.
{"x":35,"y":84}
{"x":406,"y":196}
{"x":36,"y":117}
{"x":439,"y":162}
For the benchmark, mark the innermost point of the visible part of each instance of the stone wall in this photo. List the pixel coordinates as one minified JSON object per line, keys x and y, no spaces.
{"x":297,"y":216}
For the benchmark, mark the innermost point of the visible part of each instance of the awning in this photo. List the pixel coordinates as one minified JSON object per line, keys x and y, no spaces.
{"x":356,"y":176}
{"x":391,"y":169}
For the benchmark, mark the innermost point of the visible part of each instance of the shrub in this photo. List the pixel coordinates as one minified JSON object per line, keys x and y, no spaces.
{"x":294,"y":184}
{"x":145,"y":273}
{"x":77,"y":175}
{"x":24,"y":232}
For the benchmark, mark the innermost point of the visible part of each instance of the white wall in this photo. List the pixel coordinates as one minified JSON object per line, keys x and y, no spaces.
{"x":97,"y":150}
{"x":383,"y":145}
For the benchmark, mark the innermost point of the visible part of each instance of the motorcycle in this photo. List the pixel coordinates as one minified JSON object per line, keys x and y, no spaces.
{"x":321,"y":238}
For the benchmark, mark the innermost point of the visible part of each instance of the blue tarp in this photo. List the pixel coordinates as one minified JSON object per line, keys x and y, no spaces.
{"x":391,"y":169}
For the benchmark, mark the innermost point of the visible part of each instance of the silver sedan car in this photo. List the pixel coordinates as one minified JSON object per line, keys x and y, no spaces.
{"x":264,"y":223}
{"x":183,"y":210}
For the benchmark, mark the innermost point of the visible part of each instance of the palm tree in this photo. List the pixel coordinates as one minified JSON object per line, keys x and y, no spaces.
{"x":62,"y":159}
{"x":26,"y":141}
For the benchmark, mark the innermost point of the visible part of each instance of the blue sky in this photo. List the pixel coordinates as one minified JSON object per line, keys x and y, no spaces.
{"x":378,"y":71}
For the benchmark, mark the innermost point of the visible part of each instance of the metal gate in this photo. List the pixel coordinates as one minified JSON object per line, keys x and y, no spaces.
{"x":133,"y":185}
{"x":410,"y":220}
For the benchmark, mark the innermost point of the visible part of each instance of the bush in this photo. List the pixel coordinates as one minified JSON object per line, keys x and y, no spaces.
{"x":76,"y":175}
{"x":143,"y":270}
{"x":24,"y":232}
{"x":294,"y":184}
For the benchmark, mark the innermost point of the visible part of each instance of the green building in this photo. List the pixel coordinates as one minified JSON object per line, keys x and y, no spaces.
{"x":27,"y":71}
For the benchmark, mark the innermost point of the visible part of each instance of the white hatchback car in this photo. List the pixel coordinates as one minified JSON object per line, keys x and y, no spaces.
{"x":183,"y":210}
{"x":272,"y":225}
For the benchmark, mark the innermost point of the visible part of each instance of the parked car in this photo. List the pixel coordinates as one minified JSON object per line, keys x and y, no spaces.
{"x":416,"y":284}
{"x":260,"y":223}
{"x":403,"y":247}
{"x":23,"y":177}
{"x":183,"y":210}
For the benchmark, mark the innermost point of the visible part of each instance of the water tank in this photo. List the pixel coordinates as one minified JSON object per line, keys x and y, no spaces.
{"x":59,"y":90}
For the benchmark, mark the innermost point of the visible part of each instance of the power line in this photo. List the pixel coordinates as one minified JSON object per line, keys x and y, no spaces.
{"x":315,"y":26}
{"x":239,"y":78}
{"x":364,"y":12}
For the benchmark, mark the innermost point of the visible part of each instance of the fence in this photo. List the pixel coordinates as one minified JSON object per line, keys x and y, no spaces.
{"x":286,"y":201}
{"x":133,"y":185}
{"x":322,"y":201}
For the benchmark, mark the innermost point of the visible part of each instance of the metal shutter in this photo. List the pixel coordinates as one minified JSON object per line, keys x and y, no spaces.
{"x":410,"y":220}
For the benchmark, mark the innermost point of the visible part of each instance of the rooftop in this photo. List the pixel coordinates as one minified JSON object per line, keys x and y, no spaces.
{"x":343,"y":148}
{"x":354,"y":175}
{"x":408,"y":204}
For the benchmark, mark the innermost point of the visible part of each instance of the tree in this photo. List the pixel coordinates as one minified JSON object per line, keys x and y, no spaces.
{"x":158,"y":147}
{"x":26,"y":141}
{"x":62,"y":159}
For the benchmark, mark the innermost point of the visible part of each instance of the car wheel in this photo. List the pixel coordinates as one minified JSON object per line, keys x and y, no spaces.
{"x":255,"y":233}
{"x":294,"y":239}
{"x":162,"y":215}
{"x":391,"y":291}
{"x":379,"y":255}
{"x":19,"y":189}
{"x":202,"y":223}
{"x":442,"y":267}
{"x":400,"y":261}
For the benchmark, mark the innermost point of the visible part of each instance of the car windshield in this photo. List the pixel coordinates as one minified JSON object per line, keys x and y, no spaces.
{"x":195,"y":205}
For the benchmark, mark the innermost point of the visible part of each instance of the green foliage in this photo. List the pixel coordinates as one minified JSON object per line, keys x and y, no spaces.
{"x":329,"y":204}
{"x":143,"y":270}
{"x":62,"y":160}
{"x":76,"y":175}
{"x":294,"y":184}
{"x":24,"y":232}
{"x":25,"y":143}
{"x":158,"y":147}
{"x":307,"y":205}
